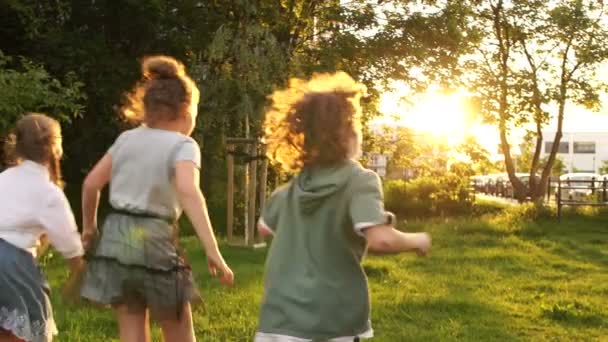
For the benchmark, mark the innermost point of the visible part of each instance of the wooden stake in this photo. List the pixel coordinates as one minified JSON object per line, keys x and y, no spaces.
{"x":246,"y":191}
{"x":253,"y":167}
{"x":263,"y":179}
{"x":230,"y":193}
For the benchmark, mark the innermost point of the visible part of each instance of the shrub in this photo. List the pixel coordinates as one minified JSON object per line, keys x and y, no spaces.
{"x":27,"y":87}
{"x":513,"y":218}
{"x":485,"y":207}
{"x":445,"y":195}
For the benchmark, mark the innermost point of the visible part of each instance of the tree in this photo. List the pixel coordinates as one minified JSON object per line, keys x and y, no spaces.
{"x":604,"y":168}
{"x":237,"y":51}
{"x":479,"y":157}
{"x":27,"y":87}
{"x":526,"y":158}
{"x":531,"y":55}
{"x":559,"y":166}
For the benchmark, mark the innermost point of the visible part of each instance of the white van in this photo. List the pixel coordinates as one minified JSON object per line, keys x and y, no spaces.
{"x":578,"y":186}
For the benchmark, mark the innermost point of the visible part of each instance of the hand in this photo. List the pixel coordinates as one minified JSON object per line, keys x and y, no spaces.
{"x":220,"y":266}
{"x":423,"y":244}
{"x":43,"y":245}
{"x":89,"y":235}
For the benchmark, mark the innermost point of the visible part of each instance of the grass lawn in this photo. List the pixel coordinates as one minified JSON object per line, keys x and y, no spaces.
{"x":489,"y":279}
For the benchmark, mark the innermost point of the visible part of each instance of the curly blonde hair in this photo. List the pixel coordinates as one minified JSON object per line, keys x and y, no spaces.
{"x":314,"y":122}
{"x":165,"y":92}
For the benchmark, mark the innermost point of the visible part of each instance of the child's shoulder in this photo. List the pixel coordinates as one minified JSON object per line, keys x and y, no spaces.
{"x":126,"y":134}
{"x":55,"y":192}
{"x":146,"y":133}
{"x":364,"y":178}
{"x":360,"y":173}
{"x":281,"y":191}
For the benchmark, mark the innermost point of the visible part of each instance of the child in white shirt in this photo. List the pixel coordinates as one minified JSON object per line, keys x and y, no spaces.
{"x":32,"y":204}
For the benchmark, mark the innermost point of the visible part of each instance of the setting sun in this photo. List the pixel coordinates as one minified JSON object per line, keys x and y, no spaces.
{"x":447,"y":117}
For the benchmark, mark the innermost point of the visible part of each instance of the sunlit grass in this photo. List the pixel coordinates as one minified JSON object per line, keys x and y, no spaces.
{"x":483,"y":282}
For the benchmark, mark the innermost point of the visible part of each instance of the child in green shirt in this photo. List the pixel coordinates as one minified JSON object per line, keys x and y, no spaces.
{"x":324,"y":219}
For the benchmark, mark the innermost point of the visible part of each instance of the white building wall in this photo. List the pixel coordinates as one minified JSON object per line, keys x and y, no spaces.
{"x":574,"y":157}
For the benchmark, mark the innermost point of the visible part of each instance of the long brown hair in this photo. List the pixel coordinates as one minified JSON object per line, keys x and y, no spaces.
{"x":165,"y":92}
{"x":35,"y":138}
{"x":314,"y":123}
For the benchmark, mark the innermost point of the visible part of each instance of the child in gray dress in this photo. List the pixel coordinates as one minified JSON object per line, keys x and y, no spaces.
{"x":153,"y":172}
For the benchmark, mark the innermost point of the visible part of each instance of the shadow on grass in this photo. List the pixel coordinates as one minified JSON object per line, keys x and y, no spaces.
{"x":576,"y":238}
{"x":443,"y":319}
{"x":575,"y":314}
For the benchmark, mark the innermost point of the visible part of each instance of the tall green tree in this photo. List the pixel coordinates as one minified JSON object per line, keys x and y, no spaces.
{"x":238,"y":52}
{"x":28,"y":87}
{"x":604,"y":168}
{"x":531,"y":55}
{"x":479,"y":157}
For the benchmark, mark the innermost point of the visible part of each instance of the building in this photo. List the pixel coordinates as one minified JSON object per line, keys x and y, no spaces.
{"x":580,"y":151}
{"x":378,"y":163}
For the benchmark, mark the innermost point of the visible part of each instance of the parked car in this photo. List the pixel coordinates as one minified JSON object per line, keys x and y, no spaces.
{"x":504,"y":188}
{"x":492,"y":183}
{"x":578,"y":186}
{"x":478,"y":182}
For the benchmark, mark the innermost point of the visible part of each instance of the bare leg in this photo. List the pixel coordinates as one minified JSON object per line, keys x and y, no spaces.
{"x":182,"y":330}
{"x":7,"y":336}
{"x":133,"y":327}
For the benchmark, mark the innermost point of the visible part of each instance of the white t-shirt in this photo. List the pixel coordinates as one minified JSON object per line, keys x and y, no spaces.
{"x":30,"y":205}
{"x":143,"y":167}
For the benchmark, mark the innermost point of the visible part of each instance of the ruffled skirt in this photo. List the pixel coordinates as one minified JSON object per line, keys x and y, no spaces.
{"x":25,"y":308}
{"x":137,"y":263}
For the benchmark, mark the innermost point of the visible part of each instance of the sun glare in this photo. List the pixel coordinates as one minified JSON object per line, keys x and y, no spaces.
{"x":447,"y":117}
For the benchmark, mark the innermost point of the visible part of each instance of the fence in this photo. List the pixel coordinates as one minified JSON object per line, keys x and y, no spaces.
{"x":577,"y":192}
{"x":567,"y":192}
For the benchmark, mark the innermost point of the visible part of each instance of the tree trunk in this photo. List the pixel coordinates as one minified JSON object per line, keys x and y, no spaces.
{"x":563,"y":92}
{"x":535,"y":188}
{"x":504,"y":45}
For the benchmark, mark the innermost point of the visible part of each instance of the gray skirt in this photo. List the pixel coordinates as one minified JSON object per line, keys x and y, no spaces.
{"x":25,"y":308}
{"x":137,"y":263}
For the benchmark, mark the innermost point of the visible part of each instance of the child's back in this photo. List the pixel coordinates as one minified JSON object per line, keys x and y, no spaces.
{"x":324,"y":219}
{"x":153,"y":171}
{"x":313,"y":270}
{"x":143,"y":162}
{"x":32,"y":205}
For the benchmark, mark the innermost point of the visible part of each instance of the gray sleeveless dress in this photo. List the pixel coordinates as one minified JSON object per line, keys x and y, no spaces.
{"x":136,"y":261}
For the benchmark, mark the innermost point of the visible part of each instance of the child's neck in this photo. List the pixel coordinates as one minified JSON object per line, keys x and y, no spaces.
{"x":173,"y":126}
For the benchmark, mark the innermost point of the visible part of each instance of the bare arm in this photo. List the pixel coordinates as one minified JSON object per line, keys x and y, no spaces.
{"x":95,"y":181}
{"x":264,"y":230}
{"x":76,"y":264}
{"x":388,"y":240}
{"x":194,"y":204}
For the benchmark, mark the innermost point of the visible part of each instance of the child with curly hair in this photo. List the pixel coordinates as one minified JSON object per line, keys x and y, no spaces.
{"x":324,"y":219}
{"x":32,"y":206}
{"x":153,"y":171}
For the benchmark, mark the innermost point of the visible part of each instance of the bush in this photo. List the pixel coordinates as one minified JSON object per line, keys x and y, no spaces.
{"x":28,"y":87}
{"x":446,"y":195}
{"x":485,"y":207}
{"x":515,"y":217}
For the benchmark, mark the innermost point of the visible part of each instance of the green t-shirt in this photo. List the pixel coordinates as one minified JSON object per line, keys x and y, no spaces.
{"x":315,"y":287}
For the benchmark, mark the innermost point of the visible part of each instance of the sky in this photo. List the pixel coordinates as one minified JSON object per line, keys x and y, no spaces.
{"x":446,"y":116}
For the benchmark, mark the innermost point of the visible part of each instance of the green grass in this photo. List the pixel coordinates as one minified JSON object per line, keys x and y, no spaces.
{"x":489,"y":279}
